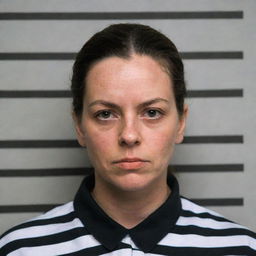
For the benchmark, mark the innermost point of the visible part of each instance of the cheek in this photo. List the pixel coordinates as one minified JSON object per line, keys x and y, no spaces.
{"x":162,"y":141}
{"x":99,"y":142}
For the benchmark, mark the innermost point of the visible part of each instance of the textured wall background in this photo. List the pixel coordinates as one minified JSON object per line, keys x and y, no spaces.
{"x":42,"y":165}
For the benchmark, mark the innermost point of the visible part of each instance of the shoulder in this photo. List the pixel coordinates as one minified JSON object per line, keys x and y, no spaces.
{"x":211,"y":227}
{"x":39,"y":231}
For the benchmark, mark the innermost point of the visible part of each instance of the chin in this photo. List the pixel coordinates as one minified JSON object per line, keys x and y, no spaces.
{"x":133,"y":182}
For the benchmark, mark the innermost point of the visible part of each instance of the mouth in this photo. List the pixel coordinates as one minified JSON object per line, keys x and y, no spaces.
{"x":130,"y":163}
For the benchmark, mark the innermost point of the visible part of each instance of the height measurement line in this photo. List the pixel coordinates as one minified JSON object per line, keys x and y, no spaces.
{"x":77,"y":171}
{"x":47,"y":207}
{"x":74,"y":144}
{"x":120,"y":15}
{"x":67,"y":93}
{"x":219,"y":201}
{"x":71,"y":55}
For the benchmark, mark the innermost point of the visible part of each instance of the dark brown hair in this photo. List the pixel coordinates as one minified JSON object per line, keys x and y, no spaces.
{"x":122,"y":40}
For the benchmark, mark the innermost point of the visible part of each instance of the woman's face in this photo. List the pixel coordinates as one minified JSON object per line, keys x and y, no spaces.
{"x":129,"y":122}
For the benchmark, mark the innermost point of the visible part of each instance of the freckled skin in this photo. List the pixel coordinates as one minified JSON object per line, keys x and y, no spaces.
{"x":128,"y":129}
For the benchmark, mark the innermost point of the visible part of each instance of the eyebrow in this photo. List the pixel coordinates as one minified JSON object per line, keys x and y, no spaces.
{"x":141,"y":105}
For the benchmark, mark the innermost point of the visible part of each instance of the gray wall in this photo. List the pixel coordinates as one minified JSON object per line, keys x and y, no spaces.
{"x":42,"y":166}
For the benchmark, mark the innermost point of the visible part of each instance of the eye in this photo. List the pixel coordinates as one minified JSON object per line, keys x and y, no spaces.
{"x":153,"y":114}
{"x":105,"y":115}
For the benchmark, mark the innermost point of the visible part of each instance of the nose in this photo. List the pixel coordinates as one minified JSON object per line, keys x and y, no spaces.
{"x":129,"y":133}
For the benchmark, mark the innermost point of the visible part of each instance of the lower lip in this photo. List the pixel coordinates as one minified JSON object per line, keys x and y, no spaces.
{"x":131,"y":165}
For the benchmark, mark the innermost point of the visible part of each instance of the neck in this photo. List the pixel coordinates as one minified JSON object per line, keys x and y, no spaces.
{"x":130,"y":208}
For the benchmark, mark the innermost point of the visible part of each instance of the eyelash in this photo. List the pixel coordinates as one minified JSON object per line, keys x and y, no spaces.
{"x":98,"y":114}
{"x":159,"y":113}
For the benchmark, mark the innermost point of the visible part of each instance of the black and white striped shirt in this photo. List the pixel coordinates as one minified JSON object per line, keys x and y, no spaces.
{"x":80,"y":228}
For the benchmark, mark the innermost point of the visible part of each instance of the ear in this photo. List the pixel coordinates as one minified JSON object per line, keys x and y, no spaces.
{"x":182,"y":125}
{"x":80,"y":134}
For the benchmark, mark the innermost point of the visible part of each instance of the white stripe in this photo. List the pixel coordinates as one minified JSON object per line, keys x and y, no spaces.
{"x":207,"y":241}
{"x":122,"y":252}
{"x":192,"y":207}
{"x":60,"y":248}
{"x":128,"y":252}
{"x":206,"y":223}
{"x":56,"y":212}
{"x":127,"y":240}
{"x":38,"y":231}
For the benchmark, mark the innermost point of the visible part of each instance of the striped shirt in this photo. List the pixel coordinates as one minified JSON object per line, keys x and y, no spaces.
{"x":80,"y":228}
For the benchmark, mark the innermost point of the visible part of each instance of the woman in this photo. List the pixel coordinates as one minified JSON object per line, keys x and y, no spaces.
{"x":128,"y":107}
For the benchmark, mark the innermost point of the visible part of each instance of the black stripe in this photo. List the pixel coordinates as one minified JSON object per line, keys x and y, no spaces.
{"x":71,"y":56}
{"x":213,"y":93}
{"x":212,"y":55}
{"x":203,"y":215}
{"x":74,"y":143}
{"x":27,"y":208}
{"x":86,"y":171}
{"x":213,"y":139}
{"x":47,"y":207}
{"x":96,"y":250}
{"x":120,"y":15}
{"x":195,"y":251}
{"x":44,"y":172}
{"x":39,"y":144}
{"x":189,"y":230}
{"x":35,"y":94}
{"x":67,"y":93}
{"x":208,"y":168}
{"x":219,"y":201}
{"x":32,"y":223}
{"x":37,"y":56}
{"x":45,"y":240}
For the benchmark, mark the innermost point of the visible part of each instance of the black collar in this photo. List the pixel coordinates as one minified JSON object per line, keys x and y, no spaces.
{"x":109,"y":233}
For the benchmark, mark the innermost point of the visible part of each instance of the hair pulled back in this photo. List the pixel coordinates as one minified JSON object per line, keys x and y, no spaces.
{"x":123,"y":40}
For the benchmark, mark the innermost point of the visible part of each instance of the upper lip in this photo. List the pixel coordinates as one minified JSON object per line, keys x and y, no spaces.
{"x":130,"y":159}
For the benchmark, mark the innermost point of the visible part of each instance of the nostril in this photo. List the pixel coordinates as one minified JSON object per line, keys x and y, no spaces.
{"x":129,"y":140}
{"x":129,"y":133}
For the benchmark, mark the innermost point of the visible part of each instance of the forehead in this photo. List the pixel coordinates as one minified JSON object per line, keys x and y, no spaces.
{"x":139,"y":77}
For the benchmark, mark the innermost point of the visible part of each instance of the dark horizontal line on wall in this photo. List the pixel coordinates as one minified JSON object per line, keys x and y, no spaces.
{"x":85,"y":171}
{"x":207,"y":168}
{"x":26,"y":208}
{"x":74,"y":143}
{"x":67,"y":93}
{"x":120,"y":15}
{"x":47,"y":207}
{"x":39,"y":144}
{"x":71,"y":55}
{"x":212,"y":55}
{"x":37,"y":55}
{"x":219,"y":201}
{"x":44,"y":172}
{"x":35,"y":94}
{"x":213,"y":93}
{"x":213,"y":139}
